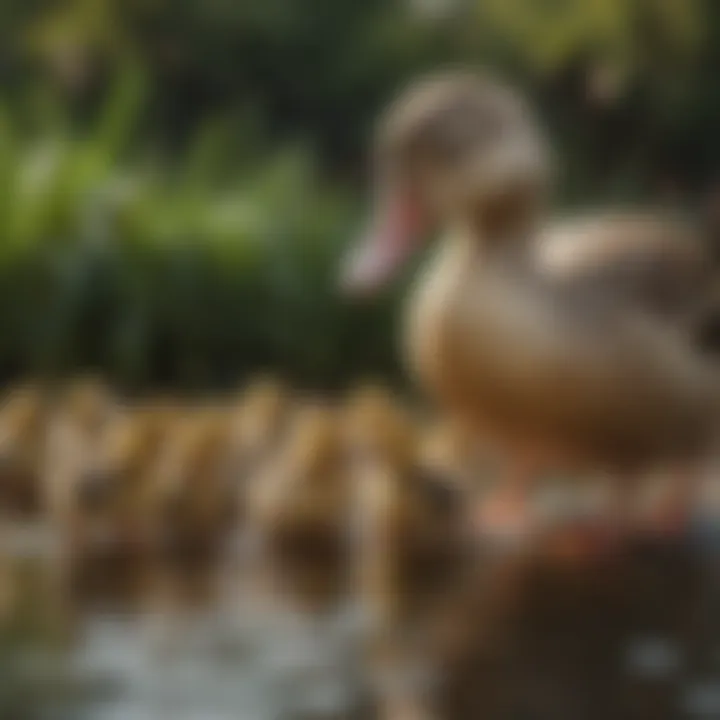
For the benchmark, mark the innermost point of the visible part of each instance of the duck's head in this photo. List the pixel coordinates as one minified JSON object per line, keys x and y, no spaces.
{"x":455,"y":146}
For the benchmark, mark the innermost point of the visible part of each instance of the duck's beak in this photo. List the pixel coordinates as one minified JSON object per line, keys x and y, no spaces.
{"x":394,"y":235}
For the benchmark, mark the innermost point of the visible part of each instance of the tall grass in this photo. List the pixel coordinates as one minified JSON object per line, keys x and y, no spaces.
{"x":192,"y":275}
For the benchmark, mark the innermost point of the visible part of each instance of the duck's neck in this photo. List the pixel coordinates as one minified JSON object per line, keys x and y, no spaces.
{"x":502,"y":229}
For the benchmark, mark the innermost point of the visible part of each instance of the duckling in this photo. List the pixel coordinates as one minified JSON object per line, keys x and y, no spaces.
{"x":451,"y":449}
{"x":410,"y":548}
{"x":100,"y":502}
{"x":80,"y":414}
{"x":298,"y":501}
{"x":261,"y":413}
{"x":566,"y":344}
{"x":193,"y":495}
{"x":376,"y":423}
{"x":448,"y":450}
{"x":86,"y":400}
{"x":258,"y":421}
{"x":23,"y":422}
{"x":409,"y":495}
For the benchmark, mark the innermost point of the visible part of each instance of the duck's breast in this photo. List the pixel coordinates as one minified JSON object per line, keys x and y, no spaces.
{"x":521,"y":359}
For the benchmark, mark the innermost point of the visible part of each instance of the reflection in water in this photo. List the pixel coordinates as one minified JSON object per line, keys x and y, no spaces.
{"x":131,"y":640}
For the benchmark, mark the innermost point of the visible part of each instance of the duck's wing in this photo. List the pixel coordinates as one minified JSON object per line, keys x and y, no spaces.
{"x":648,"y":261}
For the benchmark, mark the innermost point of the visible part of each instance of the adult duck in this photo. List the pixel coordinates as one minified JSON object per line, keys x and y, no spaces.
{"x":569,"y":344}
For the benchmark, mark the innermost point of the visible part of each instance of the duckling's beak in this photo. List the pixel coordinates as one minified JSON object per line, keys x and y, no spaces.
{"x":394,"y":235}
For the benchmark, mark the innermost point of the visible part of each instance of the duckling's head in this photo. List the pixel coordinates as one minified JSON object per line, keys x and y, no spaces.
{"x":260,"y":415}
{"x":116,"y":462}
{"x":190,"y":463}
{"x":22,"y":415}
{"x":454,"y":146}
{"x":313,"y":446}
{"x":379,"y":429}
{"x":87,"y":403}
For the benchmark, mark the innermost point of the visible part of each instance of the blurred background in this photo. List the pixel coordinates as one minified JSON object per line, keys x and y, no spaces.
{"x":180,"y":178}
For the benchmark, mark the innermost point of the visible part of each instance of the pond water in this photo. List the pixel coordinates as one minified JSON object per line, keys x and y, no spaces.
{"x":136,"y":641}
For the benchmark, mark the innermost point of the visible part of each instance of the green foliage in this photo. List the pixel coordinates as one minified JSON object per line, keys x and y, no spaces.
{"x":178,"y":178}
{"x":627,"y":33}
{"x":312,"y":68}
{"x":188,"y":277}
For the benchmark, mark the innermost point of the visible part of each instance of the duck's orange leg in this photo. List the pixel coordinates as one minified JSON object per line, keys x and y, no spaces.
{"x":506,"y":513}
{"x":668,"y":513}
